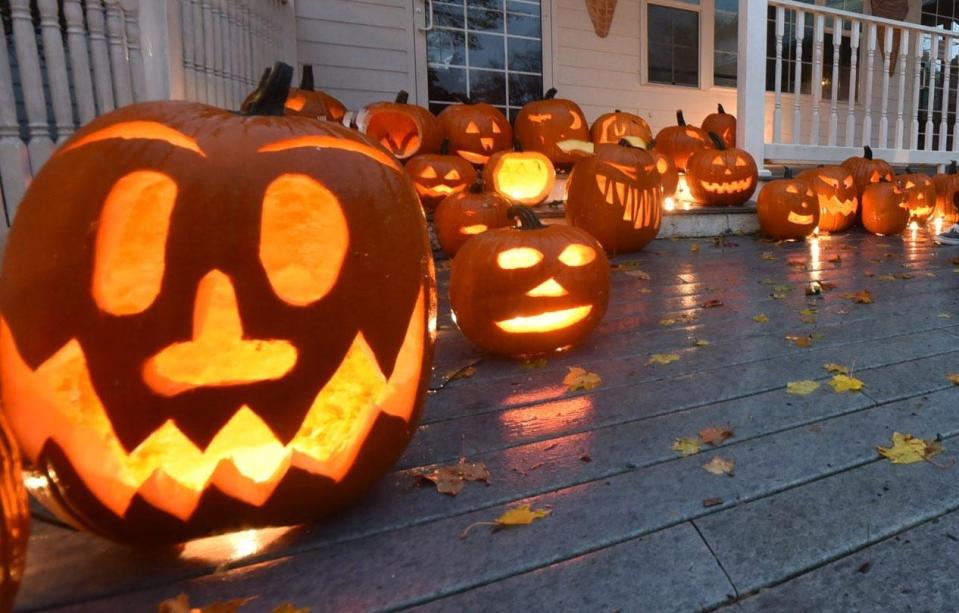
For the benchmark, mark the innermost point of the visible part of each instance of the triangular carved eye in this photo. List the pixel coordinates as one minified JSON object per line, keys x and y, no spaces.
{"x":472,"y":128}
{"x":792,"y":189}
{"x":694,"y":134}
{"x":718,"y":160}
{"x":848,"y":181}
{"x":428,"y":173}
{"x":496,"y":128}
{"x":452,"y":175}
{"x":910,"y":185}
{"x":741,"y":162}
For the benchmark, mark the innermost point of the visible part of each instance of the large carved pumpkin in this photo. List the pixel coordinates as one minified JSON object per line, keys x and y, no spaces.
{"x":947,"y":187}
{"x":462,"y":216}
{"x":531,"y":289}
{"x":542,"y":124}
{"x":308,"y":102}
{"x":668,"y":175}
{"x":522,"y":177}
{"x":723,"y":124}
{"x":787,"y":208}
{"x":193,"y":335}
{"x":438,"y":175}
{"x":615,"y":195}
{"x":866,"y":170}
{"x":884,"y":209}
{"x":681,"y":141}
{"x":476,"y":131}
{"x":15,"y":526}
{"x":721,"y":176}
{"x":403,"y":129}
{"x":838,"y":199}
{"x":615,"y":126}
{"x":919,"y":191}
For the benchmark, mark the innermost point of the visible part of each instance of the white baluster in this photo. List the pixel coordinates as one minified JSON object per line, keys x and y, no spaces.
{"x":31,"y":81}
{"x":853,"y":83}
{"x":199,"y":51}
{"x":834,"y":82}
{"x":56,"y":65}
{"x":236,"y":90}
{"x":797,"y":77}
{"x":131,"y":20}
{"x":229,"y":101}
{"x":955,"y":126}
{"x":884,"y":106}
{"x":870,"y":71}
{"x":79,"y":61}
{"x":917,"y":74}
{"x":944,"y":106}
{"x":14,"y":160}
{"x":100,"y":56}
{"x":189,"y":68}
{"x":216,"y":16}
{"x":900,"y":122}
{"x":208,"y":52}
{"x":931,"y":102}
{"x":120,"y":68}
{"x":816,"y":85}
{"x":247,"y":60}
{"x":778,"y":112}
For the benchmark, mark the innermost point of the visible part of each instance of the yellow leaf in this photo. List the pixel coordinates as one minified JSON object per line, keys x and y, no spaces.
{"x":761,"y":318}
{"x":954,"y":379}
{"x":686,"y":446}
{"x":702,"y":342}
{"x":907,"y":449}
{"x":533,"y":364}
{"x":844,"y":383}
{"x":580,"y":379}
{"x":181,"y":604}
{"x":667,"y":322}
{"x":808,"y":312}
{"x":521,"y":515}
{"x":720,"y":466}
{"x":631,"y":268}
{"x":836,"y":368}
{"x":800,"y":341}
{"x":801,"y":388}
{"x":863,"y":297}
{"x":662,"y":358}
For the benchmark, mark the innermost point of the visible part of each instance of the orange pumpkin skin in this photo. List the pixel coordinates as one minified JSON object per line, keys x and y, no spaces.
{"x":919,"y":191}
{"x":542,"y":124}
{"x":529,"y":290}
{"x":838,"y":199}
{"x":668,"y":175}
{"x":611,"y":127}
{"x":866,"y":170}
{"x":681,"y":141}
{"x":723,"y":124}
{"x":279,"y":236}
{"x":462,"y":216}
{"x":16,"y":518}
{"x":306,"y":101}
{"x":436,"y":176}
{"x":616,"y":196}
{"x":787,"y":209}
{"x":884,"y":209}
{"x":522,"y":177}
{"x":721,"y":176}
{"x":947,"y":186}
{"x":476,"y":131}
{"x":403,"y":129}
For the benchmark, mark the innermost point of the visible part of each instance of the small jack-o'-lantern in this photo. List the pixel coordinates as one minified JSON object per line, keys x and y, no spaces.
{"x":838,"y":200}
{"x":308,"y":102}
{"x":522,"y":177}
{"x":615,"y":195}
{"x":681,"y":141}
{"x":723,"y":124}
{"x":919,"y":190}
{"x":530,"y":289}
{"x":721,"y":176}
{"x":884,"y":209}
{"x":193,"y":336}
{"x":476,"y":131}
{"x":403,"y":129}
{"x":613,"y":127}
{"x":947,"y":190}
{"x":462,"y":216}
{"x":787,"y":208}
{"x":15,"y":518}
{"x":542,"y":124}
{"x":866,"y":170}
{"x":438,"y":175}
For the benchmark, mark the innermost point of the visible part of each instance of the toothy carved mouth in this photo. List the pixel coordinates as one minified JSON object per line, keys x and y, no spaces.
{"x":802,"y":220}
{"x":474,"y":229}
{"x":487,"y":143}
{"x":728,"y":187}
{"x":835,"y":206}
{"x":545,"y":322}
{"x":436,"y":189}
{"x":641,"y":206}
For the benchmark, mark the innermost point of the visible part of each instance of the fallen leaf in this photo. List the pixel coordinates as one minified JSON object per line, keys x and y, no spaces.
{"x":694,"y":248}
{"x":801,"y":388}
{"x":580,"y":379}
{"x":711,"y":304}
{"x":944,"y":316}
{"x":761,"y":318}
{"x":767,"y":255}
{"x":712,"y":502}
{"x":533,"y":364}
{"x":662,"y":358}
{"x":845,"y":383}
{"x":864,"y":567}
{"x":702,"y":342}
{"x":800,"y":341}
{"x":686,"y":446}
{"x":809,"y":312}
{"x":720,"y":466}
{"x":868,"y":274}
{"x":863,"y":297}
{"x":631,"y":268}
{"x":836,"y":259}
{"x":463,"y":373}
{"x":827,"y":286}
{"x":955,"y":260}
{"x":907,"y":449}
{"x":836,"y":368}
{"x":288,"y":607}
{"x":715,"y":435}
{"x":181,"y":604}
{"x":645,"y":290}
{"x":451,"y":478}
{"x":667,"y":322}
{"x":808,"y":319}
{"x":954,"y":379}
{"x":522,"y":515}
{"x":886,"y":277}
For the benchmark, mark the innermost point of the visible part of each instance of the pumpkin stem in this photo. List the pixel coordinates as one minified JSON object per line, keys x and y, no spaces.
{"x":270,"y":96}
{"x":650,"y":144}
{"x":867,"y":152}
{"x":680,"y":120}
{"x":719,"y":107}
{"x":952,"y":167}
{"x":477,"y":186}
{"x":617,"y":111}
{"x":525,"y":216}
{"x":402,"y":97}
{"x":306,"y":81}
{"x":260,"y":85}
{"x":518,"y":146}
{"x":787,"y":172}
{"x":445,"y":147}
{"x":550,"y":94}
{"x":718,"y":141}
{"x":908,"y":170}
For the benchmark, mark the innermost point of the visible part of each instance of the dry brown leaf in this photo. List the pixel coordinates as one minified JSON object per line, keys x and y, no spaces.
{"x":181,"y":604}
{"x":711,"y":304}
{"x":955,"y":261}
{"x":662,"y":358}
{"x":836,"y":259}
{"x":836,"y":368}
{"x":580,"y":379}
{"x":800,"y":341}
{"x":863,"y":297}
{"x":720,"y":466}
{"x":451,"y":478}
{"x":761,"y":318}
{"x":712,"y":502}
{"x":715,"y":435}
{"x":694,"y":248}
{"x":522,"y":515}
{"x":953,"y":378}
{"x":796,"y":263}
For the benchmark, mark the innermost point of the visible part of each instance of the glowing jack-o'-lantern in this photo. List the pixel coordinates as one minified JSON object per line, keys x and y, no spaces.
{"x":15,"y":518}
{"x":884,"y":209}
{"x":531,"y":289}
{"x":309,"y":102}
{"x":476,"y":131}
{"x":919,"y":191}
{"x":616,"y":196}
{"x":721,"y":176}
{"x":193,"y":336}
{"x":522,"y":177}
{"x":947,"y":189}
{"x":462,"y":216}
{"x":542,"y":124}
{"x":438,"y":175}
{"x":668,"y":175}
{"x":787,"y":208}
{"x":403,"y":129}
{"x":838,"y":199}
{"x":866,"y":170}
{"x":613,"y":127}
{"x":681,"y":141}
{"x":723,"y":124}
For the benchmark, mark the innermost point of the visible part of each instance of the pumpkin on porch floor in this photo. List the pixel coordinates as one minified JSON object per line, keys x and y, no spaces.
{"x":542,"y":124}
{"x":681,"y":141}
{"x":462,"y":216}
{"x":193,"y":336}
{"x":476,"y":131}
{"x":838,"y":199}
{"x":438,"y":175}
{"x":721,"y":176}
{"x":611,"y":127}
{"x":866,"y":170}
{"x":530,"y":289}
{"x":919,"y":191}
{"x":403,"y":129}
{"x":884,"y":209}
{"x":522,"y":177}
{"x":307,"y":101}
{"x":723,"y":124}
{"x":947,"y":188}
{"x":787,"y":208}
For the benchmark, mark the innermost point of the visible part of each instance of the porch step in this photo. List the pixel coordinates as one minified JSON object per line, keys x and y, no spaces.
{"x":694,"y":223}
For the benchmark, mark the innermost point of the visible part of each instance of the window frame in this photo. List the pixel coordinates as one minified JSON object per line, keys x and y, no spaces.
{"x":703,"y":64}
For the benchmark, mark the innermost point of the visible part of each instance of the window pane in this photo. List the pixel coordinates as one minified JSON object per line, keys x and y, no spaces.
{"x":673,"y":51}
{"x":447,"y":15}
{"x":445,"y":47}
{"x":529,"y":8}
{"x":525,"y":55}
{"x":485,"y":21}
{"x":487,"y":51}
{"x":524,"y":88}
{"x":446,"y":83}
{"x":488,"y":86}
{"x":523,"y":25}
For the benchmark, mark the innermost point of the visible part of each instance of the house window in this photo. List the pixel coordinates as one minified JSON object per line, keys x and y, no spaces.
{"x":673,"y":44}
{"x":487,"y":51}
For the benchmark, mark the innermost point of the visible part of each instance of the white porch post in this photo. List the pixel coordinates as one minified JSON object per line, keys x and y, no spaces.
{"x":751,"y":80}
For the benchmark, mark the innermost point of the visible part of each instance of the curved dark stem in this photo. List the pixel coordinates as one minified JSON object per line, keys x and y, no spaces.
{"x":908,"y":170}
{"x":952,"y":167}
{"x":550,"y":94}
{"x":787,"y":172}
{"x":402,"y":97}
{"x":721,"y":110}
{"x":526,"y":217}
{"x":445,"y":147}
{"x":270,"y":96}
{"x":680,"y":120}
{"x":718,"y":141}
{"x":651,"y":144}
{"x":306,"y":81}
{"x":518,"y":146}
{"x":477,"y":186}
{"x":867,"y":152}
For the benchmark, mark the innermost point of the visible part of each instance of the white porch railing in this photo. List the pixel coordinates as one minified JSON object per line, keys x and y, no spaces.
{"x":63,"y":62}
{"x":900,"y":100}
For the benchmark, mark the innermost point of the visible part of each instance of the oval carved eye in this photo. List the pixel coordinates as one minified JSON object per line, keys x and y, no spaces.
{"x":472,"y":128}
{"x":519,"y":257}
{"x":662,"y":166}
{"x":577,"y":255}
{"x":304,"y":238}
{"x":130,"y":252}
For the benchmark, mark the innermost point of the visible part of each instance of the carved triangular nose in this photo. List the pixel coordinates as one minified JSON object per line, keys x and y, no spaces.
{"x":218,"y":355}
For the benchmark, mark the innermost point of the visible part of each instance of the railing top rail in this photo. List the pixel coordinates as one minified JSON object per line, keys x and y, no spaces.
{"x":825,"y":10}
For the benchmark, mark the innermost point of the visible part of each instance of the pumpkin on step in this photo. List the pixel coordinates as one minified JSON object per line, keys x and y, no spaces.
{"x":530,"y":289}
{"x":787,"y":208}
{"x":522,"y":177}
{"x":723,"y":124}
{"x":947,"y":187}
{"x":193,"y":337}
{"x":884,"y":209}
{"x":611,"y":127}
{"x":476,"y":131}
{"x":836,"y":192}
{"x":403,"y":129}
{"x":866,"y":170}
{"x":438,"y":175}
{"x":919,"y":191}
{"x":463,"y":216}
{"x":681,"y":141}
{"x":542,"y":124}
{"x":307,"y":101}
{"x":721,"y":176}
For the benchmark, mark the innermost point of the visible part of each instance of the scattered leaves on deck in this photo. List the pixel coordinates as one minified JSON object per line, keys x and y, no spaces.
{"x":181,"y":604}
{"x":800,"y":341}
{"x":533,"y":364}
{"x":715,"y":435}
{"x":662,"y":358}
{"x":863,"y":297}
{"x":953,"y":378}
{"x":581,"y":379}
{"x":802,"y":388}
{"x":761,"y":318}
{"x":720,"y":466}
{"x":523,"y":515}
{"x":712,"y":304}
{"x":836,"y":368}
{"x":907,"y":449}
{"x":701,"y":342}
{"x":768,"y":255}
{"x":686,"y":446}
{"x":631,"y":268}
{"x":451,"y":479}
{"x":845,"y":383}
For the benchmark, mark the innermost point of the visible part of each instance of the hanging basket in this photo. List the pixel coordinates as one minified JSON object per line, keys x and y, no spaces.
{"x":601,"y":14}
